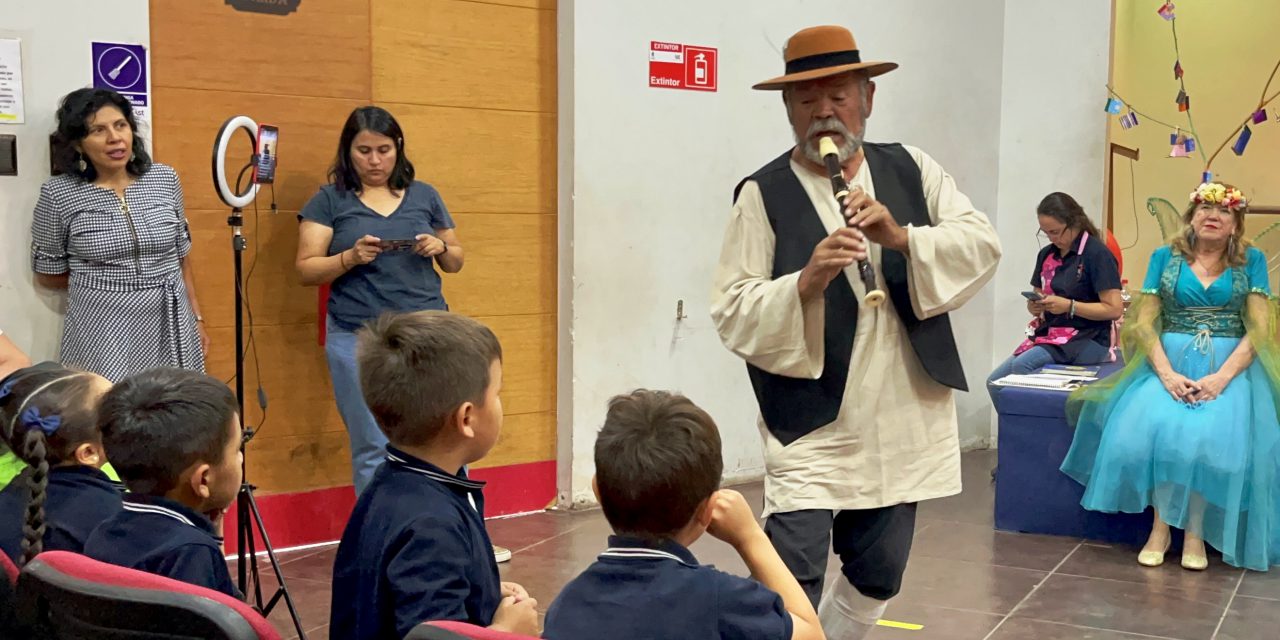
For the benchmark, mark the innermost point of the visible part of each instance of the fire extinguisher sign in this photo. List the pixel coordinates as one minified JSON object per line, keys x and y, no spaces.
{"x":682,"y":66}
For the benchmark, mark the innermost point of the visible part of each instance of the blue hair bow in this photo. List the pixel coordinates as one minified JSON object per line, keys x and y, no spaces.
{"x":32,"y":419}
{"x":6,"y":390}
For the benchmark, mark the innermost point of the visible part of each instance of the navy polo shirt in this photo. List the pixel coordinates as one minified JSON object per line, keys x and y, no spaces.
{"x":1086,"y":272}
{"x":397,"y":280}
{"x":415,"y":549}
{"x":164,"y":537}
{"x":639,"y":589}
{"x":77,"y":500}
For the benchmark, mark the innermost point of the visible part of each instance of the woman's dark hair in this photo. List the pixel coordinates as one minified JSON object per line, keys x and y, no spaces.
{"x":73,"y":125}
{"x":46,"y":412}
{"x":1065,"y":209}
{"x":376,"y":120}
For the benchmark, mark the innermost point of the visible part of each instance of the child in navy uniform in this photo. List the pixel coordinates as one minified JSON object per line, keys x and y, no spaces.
{"x":416,"y":548}
{"x":658,"y":469}
{"x":48,"y":416}
{"x":173,"y":435}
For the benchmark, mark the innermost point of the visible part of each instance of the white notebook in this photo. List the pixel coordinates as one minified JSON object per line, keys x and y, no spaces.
{"x":1042,"y":381}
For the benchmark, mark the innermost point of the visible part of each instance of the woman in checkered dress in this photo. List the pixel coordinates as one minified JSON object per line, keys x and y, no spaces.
{"x":111,"y":229}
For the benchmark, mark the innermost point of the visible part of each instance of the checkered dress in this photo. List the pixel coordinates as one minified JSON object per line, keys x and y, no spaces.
{"x":127,"y":309}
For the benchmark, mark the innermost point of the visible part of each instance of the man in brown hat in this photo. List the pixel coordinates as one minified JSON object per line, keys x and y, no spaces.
{"x":857,"y":409}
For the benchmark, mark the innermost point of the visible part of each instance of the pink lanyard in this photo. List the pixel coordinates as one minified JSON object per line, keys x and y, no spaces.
{"x":1051,"y":263}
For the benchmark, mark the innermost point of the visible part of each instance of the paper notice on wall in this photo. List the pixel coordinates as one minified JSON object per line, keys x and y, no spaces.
{"x":11,"y":100}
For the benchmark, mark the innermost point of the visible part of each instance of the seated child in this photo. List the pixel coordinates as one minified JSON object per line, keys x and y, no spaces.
{"x":48,"y":417}
{"x":658,"y":469}
{"x":415,"y":548}
{"x":174,"y":437}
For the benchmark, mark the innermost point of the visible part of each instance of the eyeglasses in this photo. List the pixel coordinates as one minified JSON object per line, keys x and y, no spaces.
{"x":1042,"y":236}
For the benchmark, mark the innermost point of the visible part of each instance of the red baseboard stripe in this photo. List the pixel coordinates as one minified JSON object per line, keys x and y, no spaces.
{"x":310,"y":517}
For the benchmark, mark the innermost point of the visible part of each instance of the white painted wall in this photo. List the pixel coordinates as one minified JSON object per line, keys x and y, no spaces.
{"x":647,"y":177}
{"x":1052,"y":136}
{"x":56,"y":59}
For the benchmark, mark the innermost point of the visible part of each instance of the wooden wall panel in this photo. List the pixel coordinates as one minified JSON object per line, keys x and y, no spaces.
{"x":474,"y":83}
{"x":320,"y":50}
{"x":299,"y":463}
{"x":295,"y":376}
{"x":483,"y":161}
{"x":273,"y":290}
{"x":528,"y":4}
{"x":528,"y":362}
{"x":288,"y":357}
{"x":525,"y":437}
{"x":303,"y":423}
{"x":480,"y":126}
{"x":511,"y":265}
{"x":464,"y":54}
{"x":187,"y":122}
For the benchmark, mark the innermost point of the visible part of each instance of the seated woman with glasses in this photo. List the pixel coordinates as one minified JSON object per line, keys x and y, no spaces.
{"x":1076,"y":286}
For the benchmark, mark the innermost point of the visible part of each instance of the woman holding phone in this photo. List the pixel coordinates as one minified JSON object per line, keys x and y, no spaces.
{"x":378,"y":236}
{"x":1075,"y":296}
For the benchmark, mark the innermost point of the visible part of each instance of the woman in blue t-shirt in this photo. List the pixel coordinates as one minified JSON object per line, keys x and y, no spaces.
{"x":377,"y":235}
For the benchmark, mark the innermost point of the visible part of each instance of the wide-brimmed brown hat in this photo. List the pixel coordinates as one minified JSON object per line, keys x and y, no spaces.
{"x":818,"y":52}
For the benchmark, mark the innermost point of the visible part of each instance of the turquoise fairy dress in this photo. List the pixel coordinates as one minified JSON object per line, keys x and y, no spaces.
{"x":1210,"y":468}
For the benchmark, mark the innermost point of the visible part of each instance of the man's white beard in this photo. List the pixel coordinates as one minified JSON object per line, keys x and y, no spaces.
{"x":848,"y":146}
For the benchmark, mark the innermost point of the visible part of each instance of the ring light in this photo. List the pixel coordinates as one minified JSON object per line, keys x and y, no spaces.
{"x":229,"y":128}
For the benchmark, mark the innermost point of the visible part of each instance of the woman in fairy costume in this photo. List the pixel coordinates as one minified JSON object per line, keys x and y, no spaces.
{"x":1190,"y":426}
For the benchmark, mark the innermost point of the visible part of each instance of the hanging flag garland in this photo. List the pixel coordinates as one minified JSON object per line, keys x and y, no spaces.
{"x":1181,"y":144}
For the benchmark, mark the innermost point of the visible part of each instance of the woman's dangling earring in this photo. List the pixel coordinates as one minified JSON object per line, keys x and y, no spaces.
{"x":1191,"y":237}
{"x":80,"y":164}
{"x":1231,"y":246}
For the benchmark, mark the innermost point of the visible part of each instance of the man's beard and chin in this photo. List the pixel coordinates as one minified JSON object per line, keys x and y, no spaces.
{"x":847,"y":144}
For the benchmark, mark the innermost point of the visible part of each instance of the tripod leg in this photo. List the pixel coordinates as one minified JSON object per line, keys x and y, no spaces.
{"x":275,"y":566}
{"x":253,"y":555}
{"x":242,"y":557}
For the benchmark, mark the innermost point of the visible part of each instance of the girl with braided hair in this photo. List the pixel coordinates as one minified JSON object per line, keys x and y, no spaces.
{"x":48,"y":417}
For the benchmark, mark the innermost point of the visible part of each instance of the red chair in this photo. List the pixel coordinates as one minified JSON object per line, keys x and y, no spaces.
{"x":451,"y":630}
{"x":1114,"y":246}
{"x":63,"y":595}
{"x":10,"y":569}
{"x":8,"y":626}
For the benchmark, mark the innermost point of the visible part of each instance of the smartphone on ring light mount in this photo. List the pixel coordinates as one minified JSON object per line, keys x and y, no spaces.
{"x":267,"y":151}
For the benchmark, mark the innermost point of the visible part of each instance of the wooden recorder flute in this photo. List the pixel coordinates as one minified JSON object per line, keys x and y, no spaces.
{"x":874,"y":296}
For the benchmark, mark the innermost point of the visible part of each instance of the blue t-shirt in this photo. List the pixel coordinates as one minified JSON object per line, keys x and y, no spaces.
{"x":398,"y":280}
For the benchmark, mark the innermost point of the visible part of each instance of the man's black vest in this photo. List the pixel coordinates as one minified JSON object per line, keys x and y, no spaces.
{"x":794,"y":407}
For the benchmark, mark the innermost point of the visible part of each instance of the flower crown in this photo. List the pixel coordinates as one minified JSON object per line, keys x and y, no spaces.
{"x":1215,"y":193}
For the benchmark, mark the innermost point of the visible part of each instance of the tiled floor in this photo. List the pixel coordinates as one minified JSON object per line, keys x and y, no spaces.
{"x":964,"y":581}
